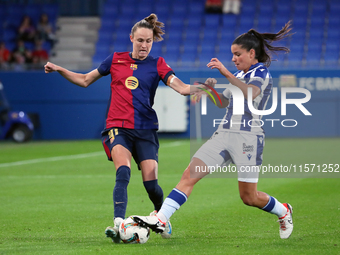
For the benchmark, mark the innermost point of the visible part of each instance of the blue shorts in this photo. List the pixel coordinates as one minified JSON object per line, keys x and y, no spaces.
{"x":142,"y":143}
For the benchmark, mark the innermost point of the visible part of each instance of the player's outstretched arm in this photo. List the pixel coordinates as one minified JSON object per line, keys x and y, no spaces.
{"x":82,"y":80}
{"x":216,"y":64}
{"x":182,"y":88}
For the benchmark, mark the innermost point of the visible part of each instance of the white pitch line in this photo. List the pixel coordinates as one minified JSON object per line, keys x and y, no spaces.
{"x":70,"y":157}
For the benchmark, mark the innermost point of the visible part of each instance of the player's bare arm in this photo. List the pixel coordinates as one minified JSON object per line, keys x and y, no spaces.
{"x":82,"y":80}
{"x":216,"y":64}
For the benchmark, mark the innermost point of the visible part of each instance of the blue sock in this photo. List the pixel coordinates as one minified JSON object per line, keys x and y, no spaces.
{"x":155,"y":193}
{"x":275,"y":207}
{"x":120,"y":197}
{"x":172,"y":203}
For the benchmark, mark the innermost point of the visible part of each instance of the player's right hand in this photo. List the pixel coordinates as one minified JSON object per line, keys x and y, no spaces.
{"x":211,"y":82}
{"x":50,"y":67}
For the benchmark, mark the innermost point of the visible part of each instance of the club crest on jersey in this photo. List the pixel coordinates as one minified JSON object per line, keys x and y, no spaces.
{"x":131,"y":82}
{"x":133,"y":67}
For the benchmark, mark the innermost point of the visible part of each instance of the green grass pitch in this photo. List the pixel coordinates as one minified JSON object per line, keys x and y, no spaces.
{"x":53,"y":202}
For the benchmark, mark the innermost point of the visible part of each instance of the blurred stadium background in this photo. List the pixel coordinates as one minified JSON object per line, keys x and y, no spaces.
{"x":88,"y":31}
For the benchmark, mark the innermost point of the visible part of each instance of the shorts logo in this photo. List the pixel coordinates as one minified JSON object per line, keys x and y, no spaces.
{"x":133,"y":67}
{"x":131,"y":82}
{"x":247,"y":148}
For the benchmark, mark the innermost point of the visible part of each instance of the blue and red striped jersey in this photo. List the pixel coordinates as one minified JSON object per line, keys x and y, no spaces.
{"x":133,"y":87}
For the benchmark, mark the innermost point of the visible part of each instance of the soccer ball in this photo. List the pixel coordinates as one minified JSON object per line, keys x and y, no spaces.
{"x":131,"y":232}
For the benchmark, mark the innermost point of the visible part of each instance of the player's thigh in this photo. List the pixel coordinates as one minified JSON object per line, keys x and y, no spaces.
{"x":121,"y":156}
{"x":213,"y":153}
{"x":118,"y":146}
{"x":246,"y":151}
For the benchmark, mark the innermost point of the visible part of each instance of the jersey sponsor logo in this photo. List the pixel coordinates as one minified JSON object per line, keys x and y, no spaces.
{"x":133,"y":67}
{"x":131,"y":82}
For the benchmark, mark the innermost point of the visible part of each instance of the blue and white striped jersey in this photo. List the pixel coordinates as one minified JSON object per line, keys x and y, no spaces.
{"x":259,"y":76}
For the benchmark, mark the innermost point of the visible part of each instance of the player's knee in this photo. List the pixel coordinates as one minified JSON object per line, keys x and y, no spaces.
{"x":123,"y":174}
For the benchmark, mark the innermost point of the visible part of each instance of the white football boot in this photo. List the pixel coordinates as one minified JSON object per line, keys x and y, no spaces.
{"x":286,"y":222}
{"x":167,"y":230}
{"x":113,"y":232}
{"x":151,"y":222}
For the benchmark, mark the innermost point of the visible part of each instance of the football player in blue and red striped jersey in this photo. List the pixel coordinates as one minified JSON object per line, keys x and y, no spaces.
{"x":131,"y":123}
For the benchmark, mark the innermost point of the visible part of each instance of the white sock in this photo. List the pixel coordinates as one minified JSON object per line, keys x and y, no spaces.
{"x":275,"y":207}
{"x":172,"y":203}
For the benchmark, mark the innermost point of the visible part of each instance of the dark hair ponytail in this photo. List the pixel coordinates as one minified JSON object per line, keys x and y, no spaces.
{"x":261,"y":43}
{"x":151,"y":22}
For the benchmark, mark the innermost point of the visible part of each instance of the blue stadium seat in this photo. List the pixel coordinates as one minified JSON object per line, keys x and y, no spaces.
{"x":156,"y":50}
{"x":34,"y":11}
{"x":229,"y":20}
{"x":190,"y":47}
{"x":196,"y":7}
{"x":333,"y":35}
{"x":319,"y":8}
{"x":225,"y":56}
{"x":314,"y":47}
{"x":192,"y":34}
{"x":266,"y":9}
{"x":281,"y":21}
{"x":9,"y":35}
{"x":204,"y":58}
{"x":194,"y":21}
{"x":317,"y":22}
{"x":188,"y":59}
{"x":208,"y":49}
{"x":17,"y":10}
{"x":300,"y":9}
{"x":264,"y":24}
{"x":334,"y":20}
{"x":108,"y":25}
{"x":334,"y":7}
{"x":210,"y":33}
{"x":171,"y":58}
{"x":127,"y":10}
{"x":316,"y":36}
{"x":105,"y":36}
{"x":295,"y":57}
{"x":162,"y":10}
{"x":227,"y":35}
{"x":172,"y":48}
{"x":174,"y":34}
{"x":179,"y":9}
{"x":177,"y":21}
{"x":251,"y":4}
{"x":331,"y":54}
{"x":110,"y":11}
{"x":212,"y":20}
{"x":102,"y":48}
{"x":118,"y":47}
{"x":283,"y":9}
{"x":313,"y":59}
